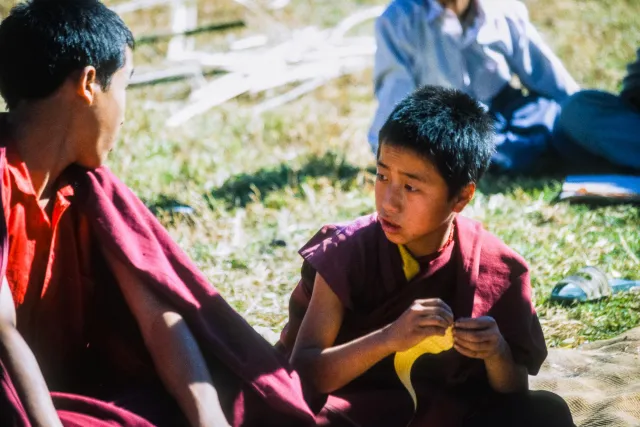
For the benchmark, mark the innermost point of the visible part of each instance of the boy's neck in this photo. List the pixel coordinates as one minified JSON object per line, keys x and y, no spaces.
{"x":462,"y":8}
{"x":40,"y":135}
{"x":432,"y":242}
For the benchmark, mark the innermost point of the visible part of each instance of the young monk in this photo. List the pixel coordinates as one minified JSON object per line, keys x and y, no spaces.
{"x":103,"y":319}
{"x":378,"y":286}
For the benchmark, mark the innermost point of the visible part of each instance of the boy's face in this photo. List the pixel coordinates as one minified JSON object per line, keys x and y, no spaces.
{"x":104,"y":118}
{"x":412,"y":200}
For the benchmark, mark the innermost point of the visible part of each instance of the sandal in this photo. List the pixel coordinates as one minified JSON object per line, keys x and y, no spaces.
{"x":589,"y":284}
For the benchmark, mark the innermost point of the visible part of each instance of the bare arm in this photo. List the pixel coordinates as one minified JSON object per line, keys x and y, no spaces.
{"x":329,"y":367}
{"x":537,"y":66}
{"x":505,"y":375}
{"x":174,"y":350}
{"x":481,"y":339}
{"x":22,"y":366}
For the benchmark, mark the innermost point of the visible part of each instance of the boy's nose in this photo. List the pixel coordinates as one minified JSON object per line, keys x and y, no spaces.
{"x":392,"y":202}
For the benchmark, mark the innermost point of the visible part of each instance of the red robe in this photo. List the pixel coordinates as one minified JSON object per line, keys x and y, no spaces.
{"x":86,"y":339}
{"x":476,"y":274}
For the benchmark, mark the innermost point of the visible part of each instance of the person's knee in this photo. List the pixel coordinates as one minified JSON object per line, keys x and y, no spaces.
{"x":581,"y":115}
{"x":590,"y":103}
{"x":579,"y":106}
{"x":552,"y":409}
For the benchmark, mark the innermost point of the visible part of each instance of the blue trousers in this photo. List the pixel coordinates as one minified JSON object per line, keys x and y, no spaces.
{"x":598,"y":127}
{"x":524,"y":128}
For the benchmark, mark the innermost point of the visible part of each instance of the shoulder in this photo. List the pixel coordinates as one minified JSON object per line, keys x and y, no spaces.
{"x":401,"y":14}
{"x":500,"y":274}
{"x":501,"y":258}
{"x":348,"y":234}
{"x":496,"y":257}
{"x":403,"y":8}
{"x":339,"y":253}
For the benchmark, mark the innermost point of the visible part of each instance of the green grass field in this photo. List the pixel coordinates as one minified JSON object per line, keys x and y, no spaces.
{"x":261,"y":186}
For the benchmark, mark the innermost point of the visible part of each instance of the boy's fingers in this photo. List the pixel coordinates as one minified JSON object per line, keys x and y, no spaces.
{"x":473,"y":346}
{"x":437,"y":311}
{"x":432,"y":330}
{"x":465,"y":351}
{"x":478,"y":323}
{"x":434,"y":302}
{"x":433,"y":321}
{"x":481,"y":335}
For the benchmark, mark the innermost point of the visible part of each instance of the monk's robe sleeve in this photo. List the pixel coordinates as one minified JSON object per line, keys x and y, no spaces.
{"x":338,"y":258}
{"x":518,"y":322}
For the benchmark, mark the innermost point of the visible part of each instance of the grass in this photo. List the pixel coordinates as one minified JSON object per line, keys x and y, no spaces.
{"x":261,"y":186}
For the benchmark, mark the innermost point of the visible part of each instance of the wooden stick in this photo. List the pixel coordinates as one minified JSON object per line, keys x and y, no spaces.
{"x":217,"y":92}
{"x":223,"y":26}
{"x":184,"y":17}
{"x":310,"y":56}
{"x":354,"y":20}
{"x":264,"y":16}
{"x":287,"y":97}
{"x":193,"y":71}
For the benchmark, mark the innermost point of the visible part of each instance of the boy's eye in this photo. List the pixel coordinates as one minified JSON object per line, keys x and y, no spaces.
{"x":381,"y":177}
{"x":410,"y":189}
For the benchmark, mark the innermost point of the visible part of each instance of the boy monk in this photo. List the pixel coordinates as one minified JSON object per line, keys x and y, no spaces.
{"x":103,"y":319}
{"x":415,"y":269}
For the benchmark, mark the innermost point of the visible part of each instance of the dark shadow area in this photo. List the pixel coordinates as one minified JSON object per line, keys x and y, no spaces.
{"x":243,"y":188}
{"x":167,"y":204}
{"x":493,"y":183}
{"x":552,"y":169}
{"x":170,"y":210}
{"x":594,"y":203}
{"x":550,"y":185}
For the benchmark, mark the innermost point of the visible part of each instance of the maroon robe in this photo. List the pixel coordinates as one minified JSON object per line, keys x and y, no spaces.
{"x":109,"y":378}
{"x":476,"y":275}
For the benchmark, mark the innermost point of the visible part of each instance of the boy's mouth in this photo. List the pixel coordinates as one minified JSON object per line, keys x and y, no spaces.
{"x":389,"y":227}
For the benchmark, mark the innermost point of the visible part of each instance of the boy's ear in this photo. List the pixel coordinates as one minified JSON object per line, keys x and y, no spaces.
{"x":464,"y":197}
{"x":87,"y":84}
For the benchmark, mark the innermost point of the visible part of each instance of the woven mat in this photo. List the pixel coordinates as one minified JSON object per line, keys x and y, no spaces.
{"x":600,"y":381}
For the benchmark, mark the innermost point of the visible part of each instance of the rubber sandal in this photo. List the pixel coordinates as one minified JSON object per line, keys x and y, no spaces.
{"x":589,"y":284}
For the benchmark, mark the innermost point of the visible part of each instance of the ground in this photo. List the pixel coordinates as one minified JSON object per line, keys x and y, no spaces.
{"x":261,"y":186}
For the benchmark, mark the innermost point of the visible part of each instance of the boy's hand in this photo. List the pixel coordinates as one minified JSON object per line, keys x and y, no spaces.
{"x":425,"y":317}
{"x":478,"y":338}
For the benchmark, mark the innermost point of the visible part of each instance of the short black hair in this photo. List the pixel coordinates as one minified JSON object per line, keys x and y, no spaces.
{"x":447,"y":127}
{"x":42,"y":42}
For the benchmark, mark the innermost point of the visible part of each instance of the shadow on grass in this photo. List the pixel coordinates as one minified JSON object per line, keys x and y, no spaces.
{"x":166,"y":204}
{"x":243,"y":188}
{"x":493,"y":183}
{"x":549,"y":185}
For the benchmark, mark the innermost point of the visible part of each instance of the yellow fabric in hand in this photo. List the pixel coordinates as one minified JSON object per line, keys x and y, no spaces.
{"x":404,"y":360}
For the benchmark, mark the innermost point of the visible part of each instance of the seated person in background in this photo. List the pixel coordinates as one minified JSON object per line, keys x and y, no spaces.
{"x":97,"y":304}
{"x":597,"y":127}
{"x":476,"y":46}
{"x":384,"y":282}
